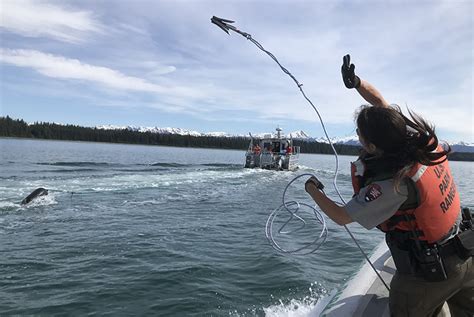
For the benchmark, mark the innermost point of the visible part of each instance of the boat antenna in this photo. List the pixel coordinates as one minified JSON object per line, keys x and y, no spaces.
{"x":225,"y":25}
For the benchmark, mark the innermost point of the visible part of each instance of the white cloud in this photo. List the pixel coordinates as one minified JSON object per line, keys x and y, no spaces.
{"x":64,"y":68}
{"x":170,"y":98}
{"x":37,"y":19}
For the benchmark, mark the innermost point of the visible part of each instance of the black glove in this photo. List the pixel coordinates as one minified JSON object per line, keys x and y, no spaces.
{"x":315,"y":181}
{"x":348,"y":76}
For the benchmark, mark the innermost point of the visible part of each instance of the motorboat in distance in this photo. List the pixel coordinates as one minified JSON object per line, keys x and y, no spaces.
{"x":273,"y":152}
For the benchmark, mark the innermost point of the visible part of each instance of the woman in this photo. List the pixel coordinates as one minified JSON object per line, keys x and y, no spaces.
{"x":404,"y":187}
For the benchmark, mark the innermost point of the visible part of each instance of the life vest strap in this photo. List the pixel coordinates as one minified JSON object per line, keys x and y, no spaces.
{"x":402,"y":236}
{"x":394,"y":220}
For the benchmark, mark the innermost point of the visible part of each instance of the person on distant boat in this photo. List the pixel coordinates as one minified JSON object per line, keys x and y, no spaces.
{"x":257,"y":149}
{"x":404,"y":187}
{"x":289,"y":149}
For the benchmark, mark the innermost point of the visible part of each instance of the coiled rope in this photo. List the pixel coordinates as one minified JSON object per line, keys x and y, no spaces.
{"x":292,"y":207}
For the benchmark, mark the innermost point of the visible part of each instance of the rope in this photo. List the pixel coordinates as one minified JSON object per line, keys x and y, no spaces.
{"x":292,"y":207}
{"x":288,"y":205}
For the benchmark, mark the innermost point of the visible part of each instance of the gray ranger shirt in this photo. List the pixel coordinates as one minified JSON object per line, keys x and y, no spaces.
{"x":376,"y":202}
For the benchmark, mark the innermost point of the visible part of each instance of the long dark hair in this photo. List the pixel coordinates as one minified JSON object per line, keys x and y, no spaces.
{"x":400,"y":139}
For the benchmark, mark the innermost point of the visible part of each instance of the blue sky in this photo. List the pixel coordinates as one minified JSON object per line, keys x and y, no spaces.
{"x":162,"y":63}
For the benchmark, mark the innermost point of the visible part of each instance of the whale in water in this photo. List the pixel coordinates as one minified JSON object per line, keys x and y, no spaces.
{"x":35,"y":194}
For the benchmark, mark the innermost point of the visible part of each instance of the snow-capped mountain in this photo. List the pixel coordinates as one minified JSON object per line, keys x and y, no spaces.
{"x":297,"y":135}
{"x":348,"y":140}
{"x":354,"y":140}
{"x":151,"y":130}
{"x":463,"y":147}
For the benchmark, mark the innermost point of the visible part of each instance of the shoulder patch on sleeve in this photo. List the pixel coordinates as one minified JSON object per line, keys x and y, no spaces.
{"x":374,"y":191}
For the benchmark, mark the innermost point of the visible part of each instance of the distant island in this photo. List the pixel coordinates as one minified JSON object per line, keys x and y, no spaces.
{"x":52,"y":131}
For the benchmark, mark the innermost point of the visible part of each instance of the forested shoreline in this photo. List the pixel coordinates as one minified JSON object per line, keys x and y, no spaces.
{"x":51,"y":131}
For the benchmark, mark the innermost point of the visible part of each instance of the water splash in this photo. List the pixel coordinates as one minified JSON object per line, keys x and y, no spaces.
{"x":309,"y":306}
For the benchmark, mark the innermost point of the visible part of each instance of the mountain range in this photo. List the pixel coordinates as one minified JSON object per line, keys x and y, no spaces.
{"x":297,"y":135}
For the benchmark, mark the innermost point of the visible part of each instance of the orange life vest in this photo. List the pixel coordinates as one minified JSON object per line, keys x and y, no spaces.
{"x":433,"y":204}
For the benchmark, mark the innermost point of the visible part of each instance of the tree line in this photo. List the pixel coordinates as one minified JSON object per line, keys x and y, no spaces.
{"x":43,"y":130}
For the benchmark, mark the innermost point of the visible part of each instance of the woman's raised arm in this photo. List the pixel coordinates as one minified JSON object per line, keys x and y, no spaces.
{"x":365,"y":89}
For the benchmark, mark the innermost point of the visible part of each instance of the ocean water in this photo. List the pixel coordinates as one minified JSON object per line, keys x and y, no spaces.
{"x":164,"y":231}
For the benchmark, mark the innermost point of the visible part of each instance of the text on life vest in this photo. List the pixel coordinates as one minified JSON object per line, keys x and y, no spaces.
{"x":447,"y":187}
